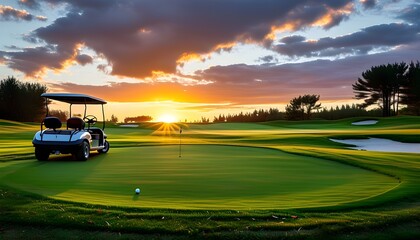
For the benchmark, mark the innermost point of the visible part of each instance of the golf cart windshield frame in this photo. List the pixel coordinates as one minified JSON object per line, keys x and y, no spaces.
{"x":78,"y":99}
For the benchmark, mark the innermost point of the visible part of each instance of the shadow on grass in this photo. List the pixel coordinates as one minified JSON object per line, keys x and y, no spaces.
{"x":136,"y":197}
{"x":70,"y":158}
{"x":50,"y":178}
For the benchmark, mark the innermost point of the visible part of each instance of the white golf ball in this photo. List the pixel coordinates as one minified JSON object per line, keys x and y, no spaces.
{"x":137,"y":190}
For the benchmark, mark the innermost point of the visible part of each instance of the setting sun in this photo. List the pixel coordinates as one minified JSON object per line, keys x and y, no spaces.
{"x":167,"y":118}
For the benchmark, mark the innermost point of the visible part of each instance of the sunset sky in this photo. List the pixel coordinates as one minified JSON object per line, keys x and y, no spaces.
{"x":193,"y":58}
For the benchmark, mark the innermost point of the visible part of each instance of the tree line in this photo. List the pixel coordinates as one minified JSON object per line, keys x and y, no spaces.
{"x":333,"y":113}
{"x":21,"y":101}
{"x":255,"y":116}
{"x":389,"y":86}
{"x":138,"y":119}
{"x":346,"y":111}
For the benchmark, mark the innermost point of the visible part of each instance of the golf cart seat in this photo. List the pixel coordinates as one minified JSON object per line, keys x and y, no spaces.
{"x":76,"y":123}
{"x":52,"y":123}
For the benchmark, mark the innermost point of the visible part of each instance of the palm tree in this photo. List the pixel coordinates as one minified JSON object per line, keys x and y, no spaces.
{"x":382,"y":85}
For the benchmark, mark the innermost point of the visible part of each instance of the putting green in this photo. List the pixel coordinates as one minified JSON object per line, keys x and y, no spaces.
{"x":205,"y":177}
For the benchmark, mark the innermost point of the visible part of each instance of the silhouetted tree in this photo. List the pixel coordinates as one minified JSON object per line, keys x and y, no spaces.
{"x":205,"y":120}
{"x":62,"y":115}
{"x":114,"y":119}
{"x":411,"y":92}
{"x":346,"y":111}
{"x":138,"y":119}
{"x":300,"y":108}
{"x":21,"y":101}
{"x":255,"y":116}
{"x":382,"y":85}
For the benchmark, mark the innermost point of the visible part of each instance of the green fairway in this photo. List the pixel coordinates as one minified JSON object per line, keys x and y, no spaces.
{"x":205,"y":177}
{"x":236,"y":180}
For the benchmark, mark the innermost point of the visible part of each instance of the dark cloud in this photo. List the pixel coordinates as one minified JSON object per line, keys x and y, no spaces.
{"x":235,"y":84}
{"x":367,"y":4}
{"x":33,"y":4}
{"x":83,"y":59}
{"x":378,"y":5}
{"x":104,"y":68}
{"x":33,"y":60}
{"x":79,"y":5}
{"x":250,"y":84}
{"x":268,"y":59}
{"x":370,"y":38}
{"x":411,"y":14}
{"x":292,"y":39}
{"x":12,"y":47}
{"x":334,"y":19}
{"x":139,"y":37}
{"x":331,"y":79}
{"x":8,"y":13}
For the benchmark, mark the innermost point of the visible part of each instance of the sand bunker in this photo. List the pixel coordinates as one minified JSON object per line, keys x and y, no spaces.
{"x":366,"y":122}
{"x":381,"y":145}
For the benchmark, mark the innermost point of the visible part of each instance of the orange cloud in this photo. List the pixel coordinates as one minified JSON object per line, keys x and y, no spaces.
{"x":236,"y":84}
{"x":10,"y":13}
{"x":37,"y":60}
{"x":138,"y":38}
{"x":333,"y":16}
{"x":186,"y":57}
{"x":289,"y":26}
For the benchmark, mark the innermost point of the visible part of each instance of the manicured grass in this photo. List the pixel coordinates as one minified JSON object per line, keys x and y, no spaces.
{"x":205,"y":177}
{"x":229,"y":171}
{"x":15,"y":140}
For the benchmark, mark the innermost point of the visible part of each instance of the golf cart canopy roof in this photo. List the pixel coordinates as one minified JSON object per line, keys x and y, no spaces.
{"x":74,"y":98}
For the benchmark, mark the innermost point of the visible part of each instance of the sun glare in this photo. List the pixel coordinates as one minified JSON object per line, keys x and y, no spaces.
{"x":167,"y":118}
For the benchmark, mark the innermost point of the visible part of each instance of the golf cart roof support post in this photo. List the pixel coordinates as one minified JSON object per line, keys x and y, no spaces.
{"x":46,"y":106}
{"x":103,"y":117}
{"x":46,"y":114}
{"x":42,"y":123}
{"x":85,"y":109}
{"x":67,"y":127}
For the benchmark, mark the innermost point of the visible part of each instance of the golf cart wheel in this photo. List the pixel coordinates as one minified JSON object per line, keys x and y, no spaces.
{"x":105,"y":149}
{"x":82,"y":154}
{"x":41,"y":154}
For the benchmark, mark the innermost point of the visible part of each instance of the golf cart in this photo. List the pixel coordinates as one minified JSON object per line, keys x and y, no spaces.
{"x":77,"y":138}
